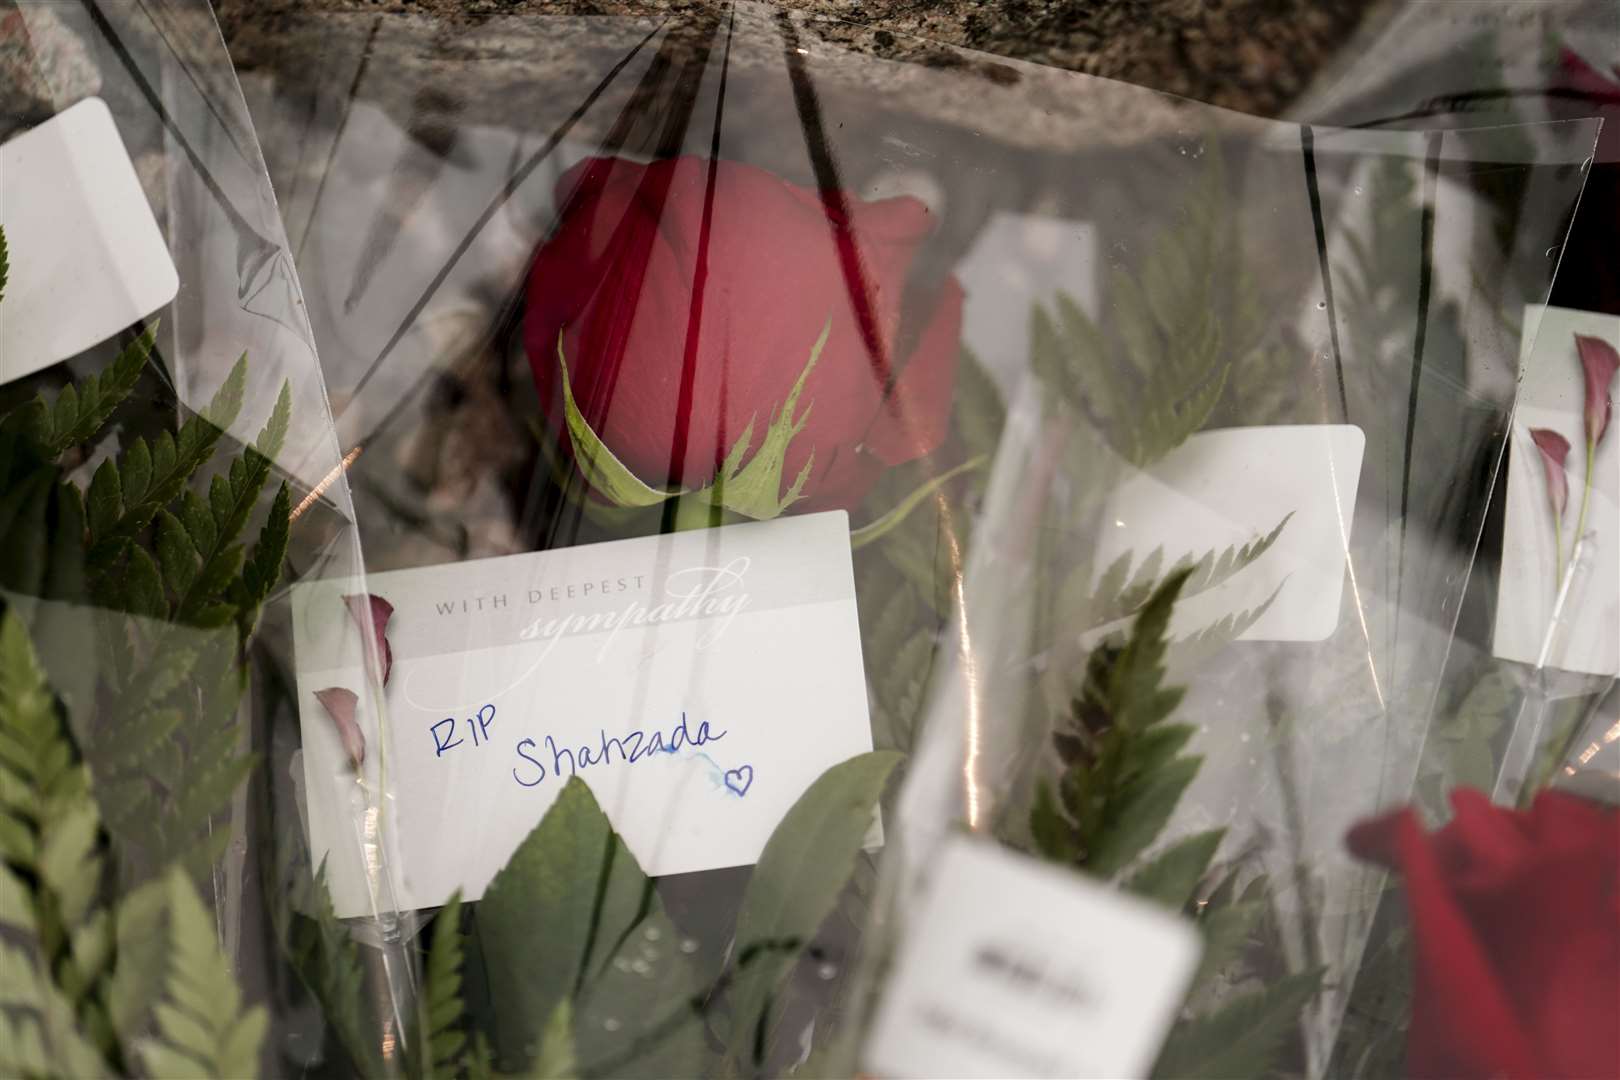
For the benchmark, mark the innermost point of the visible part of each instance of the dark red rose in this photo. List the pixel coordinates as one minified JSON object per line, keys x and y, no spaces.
{"x":1516,"y":936}
{"x":621,"y":280}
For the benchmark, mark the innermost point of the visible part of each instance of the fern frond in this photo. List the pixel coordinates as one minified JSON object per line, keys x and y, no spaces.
{"x":49,"y":836}
{"x":1120,"y":591}
{"x":1122,"y":778}
{"x":153,"y":475}
{"x":440,"y":1039}
{"x":1240,"y":1039}
{"x":326,"y":958}
{"x":82,"y":408}
{"x":203,"y":1029}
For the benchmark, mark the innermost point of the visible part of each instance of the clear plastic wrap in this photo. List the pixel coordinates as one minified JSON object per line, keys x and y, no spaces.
{"x":169,"y":469}
{"x":936,"y":368}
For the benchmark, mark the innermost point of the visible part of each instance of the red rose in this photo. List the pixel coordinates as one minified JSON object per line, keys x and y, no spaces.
{"x":621,"y":280}
{"x":1516,"y":936}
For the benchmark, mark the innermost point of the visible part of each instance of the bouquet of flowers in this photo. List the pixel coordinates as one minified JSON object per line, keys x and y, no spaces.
{"x":775,"y":532}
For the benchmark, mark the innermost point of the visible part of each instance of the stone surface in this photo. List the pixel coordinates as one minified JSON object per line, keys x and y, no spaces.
{"x":1254,"y":56}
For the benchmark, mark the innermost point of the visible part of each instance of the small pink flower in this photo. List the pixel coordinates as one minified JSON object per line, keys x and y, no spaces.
{"x":1554,"y":452}
{"x":340,"y":706}
{"x":371,"y":614}
{"x":1599,"y":360}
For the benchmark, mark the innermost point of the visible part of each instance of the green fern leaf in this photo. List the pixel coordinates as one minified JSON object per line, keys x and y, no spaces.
{"x":82,"y":408}
{"x":203,"y":1030}
{"x":1114,"y":597}
{"x":1173,"y":875}
{"x":1240,"y":1040}
{"x":324,"y":955}
{"x":150,"y":481}
{"x":440,"y":1037}
{"x":177,"y":555}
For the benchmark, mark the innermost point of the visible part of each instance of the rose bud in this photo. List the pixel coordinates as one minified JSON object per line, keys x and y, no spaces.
{"x":641,"y":253}
{"x":1515,"y":936}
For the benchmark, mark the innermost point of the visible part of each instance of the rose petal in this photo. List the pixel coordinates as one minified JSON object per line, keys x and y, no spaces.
{"x":1599,"y":361}
{"x":1554,"y":452}
{"x":1516,"y":936}
{"x":340,"y":705}
{"x":371,"y":614}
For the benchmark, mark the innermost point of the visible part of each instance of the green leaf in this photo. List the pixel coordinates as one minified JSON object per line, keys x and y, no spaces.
{"x":1115,"y":597}
{"x":176,"y":553}
{"x":1239,"y":1041}
{"x":755,"y":489}
{"x":880,"y":527}
{"x":639,"y":1015}
{"x":1172,"y":877}
{"x":1226,"y":929}
{"x":611,"y":477}
{"x":143,"y":586}
{"x":106,"y":498}
{"x":1136,"y":815}
{"x":574,"y":876}
{"x":142,"y":937}
{"x":203,"y":1031}
{"x":796,"y":883}
{"x":556,"y":1059}
{"x":82,"y":408}
{"x":440,"y":1039}
{"x":1051,"y":831}
{"x":324,"y":955}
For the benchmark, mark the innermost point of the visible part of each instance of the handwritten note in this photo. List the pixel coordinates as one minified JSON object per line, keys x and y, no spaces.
{"x":698,"y":682}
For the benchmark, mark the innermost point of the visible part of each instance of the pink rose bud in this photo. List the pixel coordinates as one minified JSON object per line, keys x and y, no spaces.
{"x":1598,"y":362}
{"x":1554,"y":452}
{"x":371,"y":615}
{"x":340,"y":706}
{"x":644,"y":260}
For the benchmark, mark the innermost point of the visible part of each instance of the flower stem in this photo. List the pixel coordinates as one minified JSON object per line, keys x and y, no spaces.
{"x":1558,"y":554}
{"x":1586,"y":494}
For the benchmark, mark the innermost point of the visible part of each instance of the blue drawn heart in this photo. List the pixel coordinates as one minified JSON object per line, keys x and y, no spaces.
{"x":740,"y":779}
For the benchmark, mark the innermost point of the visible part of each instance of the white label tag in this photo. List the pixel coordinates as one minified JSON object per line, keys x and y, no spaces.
{"x":1552,"y":396}
{"x":698,"y":682}
{"x":1015,"y":968}
{"x":1231,"y":487}
{"x":87,"y":258}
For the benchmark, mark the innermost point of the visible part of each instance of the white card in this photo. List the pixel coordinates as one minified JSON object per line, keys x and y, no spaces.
{"x":1552,"y":395}
{"x":1013,"y":967}
{"x":736,"y":650}
{"x":87,"y":258}
{"x":1231,"y":487}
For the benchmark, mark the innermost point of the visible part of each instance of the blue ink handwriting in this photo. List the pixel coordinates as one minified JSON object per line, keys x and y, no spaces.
{"x":632,"y":747}
{"x":444,"y":731}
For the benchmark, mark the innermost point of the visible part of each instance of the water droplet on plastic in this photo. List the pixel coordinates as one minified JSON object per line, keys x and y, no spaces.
{"x":1358,"y":189}
{"x":689,"y":946}
{"x":1244,"y":737}
{"x":640,"y":967}
{"x":621,"y":964}
{"x":611,"y":1024}
{"x":827,"y":971}
{"x":652,"y":933}
{"x":1321,"y":305}
{"x":1552,"y":251}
